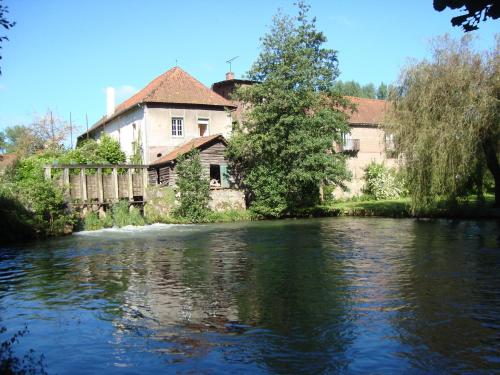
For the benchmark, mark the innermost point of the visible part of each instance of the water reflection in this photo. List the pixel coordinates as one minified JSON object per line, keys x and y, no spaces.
{"x":311,"y":296}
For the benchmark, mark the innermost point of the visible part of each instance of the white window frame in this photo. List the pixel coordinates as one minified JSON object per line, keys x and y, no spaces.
{"x":177,"y":127}
{"x":204,"y":121}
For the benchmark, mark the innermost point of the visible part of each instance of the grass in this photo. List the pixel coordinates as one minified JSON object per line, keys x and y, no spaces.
{"x":469,"y":208}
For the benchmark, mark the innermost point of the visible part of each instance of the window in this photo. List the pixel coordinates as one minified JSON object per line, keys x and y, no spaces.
{"x":203,"y":126}
{"x":219,"y":176}
{"x":177,"y":126}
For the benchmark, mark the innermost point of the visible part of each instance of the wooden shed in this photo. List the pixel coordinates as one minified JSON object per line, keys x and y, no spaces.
{"x":212,"y":148}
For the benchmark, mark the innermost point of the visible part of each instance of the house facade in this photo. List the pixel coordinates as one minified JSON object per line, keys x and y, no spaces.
{"x":367,"y":142}
{"x":175,"y":113}
{"x":170,"y":111}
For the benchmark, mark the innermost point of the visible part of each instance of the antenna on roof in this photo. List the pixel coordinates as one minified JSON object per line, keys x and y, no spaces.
{"x":230,"y":61}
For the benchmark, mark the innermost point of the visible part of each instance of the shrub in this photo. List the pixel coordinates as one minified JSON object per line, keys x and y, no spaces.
{"x":382,"y":183}
{"x":123,"y":215}
{"x":194,"y":189}
{"x":92,"y":222}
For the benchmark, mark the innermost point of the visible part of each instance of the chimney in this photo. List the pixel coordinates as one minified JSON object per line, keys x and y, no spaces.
{"x":229,"y":76}
{"x":110,"y":101}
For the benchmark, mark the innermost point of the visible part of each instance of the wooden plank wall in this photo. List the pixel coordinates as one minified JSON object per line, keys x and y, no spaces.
{"x":100,"y":183}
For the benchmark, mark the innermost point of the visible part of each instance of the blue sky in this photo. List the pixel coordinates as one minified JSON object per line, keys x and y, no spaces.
{"x":63,"y":54}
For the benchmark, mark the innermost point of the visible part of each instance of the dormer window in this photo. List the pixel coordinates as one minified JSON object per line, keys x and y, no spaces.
{"x":177,"y":127}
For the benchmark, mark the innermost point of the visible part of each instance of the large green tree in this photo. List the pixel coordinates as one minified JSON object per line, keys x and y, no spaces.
{"x":446,"y":120}
{"x":282,"y":150}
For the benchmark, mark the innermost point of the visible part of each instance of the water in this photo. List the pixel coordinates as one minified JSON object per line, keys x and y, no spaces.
{"x":339,"y":295}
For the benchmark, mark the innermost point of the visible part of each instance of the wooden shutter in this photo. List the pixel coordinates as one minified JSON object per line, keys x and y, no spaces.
{"x":224,"y":176}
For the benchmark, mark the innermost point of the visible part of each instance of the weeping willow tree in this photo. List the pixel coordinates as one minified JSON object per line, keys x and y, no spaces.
{"x":445,"y":121}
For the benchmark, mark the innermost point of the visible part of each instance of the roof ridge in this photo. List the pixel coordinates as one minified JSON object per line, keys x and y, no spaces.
{"x":359,"y":97}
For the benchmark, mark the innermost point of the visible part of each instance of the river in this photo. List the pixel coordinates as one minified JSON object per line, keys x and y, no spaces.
{"x":335,"y":295}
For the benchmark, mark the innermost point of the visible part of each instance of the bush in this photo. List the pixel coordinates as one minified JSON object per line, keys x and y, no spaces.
{"x":123,"y":215}
{"x":382,"y":183}
{"x":92,"y":222}
{"x":194,"y":189}
{"x":44,"y":201}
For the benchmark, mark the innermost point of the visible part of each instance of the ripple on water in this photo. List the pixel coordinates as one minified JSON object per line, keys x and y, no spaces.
{"x":348,"y":295}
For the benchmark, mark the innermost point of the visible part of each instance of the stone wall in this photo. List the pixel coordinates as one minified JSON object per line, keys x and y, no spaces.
{"x":227,"y":199}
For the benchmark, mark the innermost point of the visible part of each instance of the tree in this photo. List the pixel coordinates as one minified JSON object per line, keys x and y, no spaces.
{"x":477,"y":11}
{"x":445,"y":120}
{"x":22,"y":140}
{"x":3,"y":142}
{"x":382,"y":91}
{"x":194,"y":188}
{"x":46,"y":131}
{"x":282,"y":150}
{"x":353,"y":88}
{"x":5,"y":23}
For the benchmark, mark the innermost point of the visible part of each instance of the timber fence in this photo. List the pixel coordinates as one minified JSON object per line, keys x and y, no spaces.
{"x":100,"y":183}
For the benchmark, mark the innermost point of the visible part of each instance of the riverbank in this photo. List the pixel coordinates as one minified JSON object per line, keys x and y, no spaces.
{"x":400,"y":208}
{"x":18,"y":230}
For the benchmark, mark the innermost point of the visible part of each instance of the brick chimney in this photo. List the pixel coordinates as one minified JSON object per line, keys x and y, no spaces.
{"x":229,"y":76}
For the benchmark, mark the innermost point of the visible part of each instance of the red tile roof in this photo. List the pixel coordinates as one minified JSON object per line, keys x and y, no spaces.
{"x":175,"y":86}
{"x":368,"y":111}
{"x":188,"y":146}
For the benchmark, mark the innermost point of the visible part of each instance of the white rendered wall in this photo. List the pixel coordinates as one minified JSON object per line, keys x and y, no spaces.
{"x":159,"y":127}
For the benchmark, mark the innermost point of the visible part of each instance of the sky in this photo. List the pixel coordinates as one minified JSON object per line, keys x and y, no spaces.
{"x":63,"y":54}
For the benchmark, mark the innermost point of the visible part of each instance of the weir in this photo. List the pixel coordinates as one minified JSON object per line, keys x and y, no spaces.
{"x":100,"y":183}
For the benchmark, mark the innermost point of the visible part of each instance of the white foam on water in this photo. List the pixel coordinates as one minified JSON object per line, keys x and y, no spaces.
{"x":128,"y":229}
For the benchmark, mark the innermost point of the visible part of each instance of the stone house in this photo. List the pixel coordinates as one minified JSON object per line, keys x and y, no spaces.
{"x":175,"y":113}
{"x":171,"y":110}
{"x":365,"y":143}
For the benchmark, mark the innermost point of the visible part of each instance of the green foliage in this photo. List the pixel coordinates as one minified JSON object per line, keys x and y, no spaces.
{"x":353,"y":88}
{"x":109,"y":150}
{"x":92,"y":222}
{"x":445,"y":121}
{"x":231,"y":215}
{"x":104,"y":151}
{"x":382,"y":183}
{"x":194,"y":188}
{"x":124,"y":215}
{"x":136,"y":157}
{"x":17,"y":222}
{"x":11,"y":364}
{"x":44,"y":200}
{"x":282,"y":151}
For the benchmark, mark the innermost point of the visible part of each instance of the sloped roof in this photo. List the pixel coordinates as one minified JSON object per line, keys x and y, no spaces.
{"x":368,"y":111}
{"x":188,"y":146}
{"x":175,"y":86}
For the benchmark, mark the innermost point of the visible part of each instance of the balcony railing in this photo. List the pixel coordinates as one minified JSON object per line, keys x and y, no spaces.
{"x":349,"y":145}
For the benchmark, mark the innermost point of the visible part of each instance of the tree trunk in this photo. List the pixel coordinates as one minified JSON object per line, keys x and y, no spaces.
{"x":489,"y":148}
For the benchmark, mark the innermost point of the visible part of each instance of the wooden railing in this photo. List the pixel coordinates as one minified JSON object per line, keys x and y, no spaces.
{"x":100,"y":183}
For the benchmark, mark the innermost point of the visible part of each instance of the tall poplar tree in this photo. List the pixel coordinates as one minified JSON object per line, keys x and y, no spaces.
{"x":282,"y":150}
